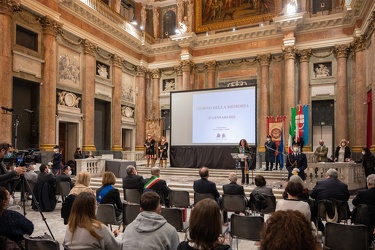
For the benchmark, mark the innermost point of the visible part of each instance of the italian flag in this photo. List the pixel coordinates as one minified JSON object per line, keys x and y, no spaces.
{"x":292,"y":129}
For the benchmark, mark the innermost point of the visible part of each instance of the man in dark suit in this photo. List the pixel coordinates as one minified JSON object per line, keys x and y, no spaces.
{"x":296,"y":162}
{"x":366,"y":196}
{"x":132,"y":180}
{"x":65,"y":176}
{"x":233,"y":188}
{"x":45,"y":176}
{"x":204,"y":186}
{"x":158,"y":185}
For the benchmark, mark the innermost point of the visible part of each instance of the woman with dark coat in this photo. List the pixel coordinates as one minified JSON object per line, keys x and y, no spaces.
{"x":342,"y":152}
{"x":270,"y":152}
{"x":368,"y":161}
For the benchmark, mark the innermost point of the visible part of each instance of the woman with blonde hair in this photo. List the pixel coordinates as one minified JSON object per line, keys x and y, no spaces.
{"x":82,"y":184}
{"x":342,"y":152}
{"x":204,"y":228}
{"x":107,"y":194}
{"x":84,"y":231}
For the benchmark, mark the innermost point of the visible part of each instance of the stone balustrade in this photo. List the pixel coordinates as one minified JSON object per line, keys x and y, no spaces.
{"x":95,"y":166}
{"x":133,"y":155}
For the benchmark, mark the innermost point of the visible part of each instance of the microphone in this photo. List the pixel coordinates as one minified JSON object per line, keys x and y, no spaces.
{"x":29,"y":111}
{"x":7,"y":109}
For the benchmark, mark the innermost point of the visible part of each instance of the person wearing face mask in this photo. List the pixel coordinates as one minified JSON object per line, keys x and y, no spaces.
{"x":321,"y":152}
{"x":65,"y":175}
{"x":56,"y":161}
{"x":150,"y":150}
{"x":296,"y":162}
{"x":368,"y":161}
{"x":163,"y":152}
{"x":342,"y":152}
{"x":44,"y":190}
{"x":270,"y":152}
{"x":5,"y":175}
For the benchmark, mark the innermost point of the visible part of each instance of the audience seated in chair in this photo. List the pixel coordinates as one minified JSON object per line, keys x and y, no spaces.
{"x":65,"y":176}
{"x":150,"y":230}
{"x":234,"y":189}
{"x":260,"y":183}
{"x":13,"y":225}
{"x":288,"y":230}
{"x":305,"y":193}
{"x":44,"y":190}
{"x":107,"y":194}
{"x":132,"y":180}
{"x":204,"y":186}
{"x":204,"y":227}
{"x":84,"y":231}
{"x":158,"y":185}
{"x":82,"y":184}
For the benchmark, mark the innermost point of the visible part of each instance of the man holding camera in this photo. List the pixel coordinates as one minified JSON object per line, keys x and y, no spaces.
{"x":5,"y":175}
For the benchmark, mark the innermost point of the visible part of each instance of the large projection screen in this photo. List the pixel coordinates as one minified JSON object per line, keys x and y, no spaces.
{"x":214,"y":117}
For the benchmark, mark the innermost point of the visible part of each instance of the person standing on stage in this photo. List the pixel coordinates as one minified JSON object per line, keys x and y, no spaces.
{"x":243,"y":148}
{"x":342,"y":152}
{"x":163,"y":152}
{"x":150,"y":151}
{"x":270,"y":152}
{"x":321,"y":152}
{"x":296,"y":162}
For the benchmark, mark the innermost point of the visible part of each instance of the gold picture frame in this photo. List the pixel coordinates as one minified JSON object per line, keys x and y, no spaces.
{"x":221,"y":14}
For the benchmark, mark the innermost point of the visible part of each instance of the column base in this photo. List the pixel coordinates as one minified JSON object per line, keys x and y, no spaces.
{"x":261,"y":149}
{"x":306,"y":149}
{"x":117,"y":148}
{"x":88,"y":148}
{"x":139,"y":148}
{"x":356,"y":149}
{"x":372,"y":148}
{"x":46,"y":147}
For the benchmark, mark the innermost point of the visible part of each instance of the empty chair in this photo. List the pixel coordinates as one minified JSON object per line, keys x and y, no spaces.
{"x":245,"y":227}
{"x":63,"y":189}
{"x":129,"y":212}
{"x":106,"y":214}
{"x":234,"y":203}
{"x":179,"y":198}
{"x":132,"y":195}
{"x":345,"y":237}
{"x":39,"y":243}
{"x":199,"y":196}
{"x":174,"y":217}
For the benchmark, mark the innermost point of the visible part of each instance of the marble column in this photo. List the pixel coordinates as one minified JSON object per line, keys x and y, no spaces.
{"x":47,"y":115}
{"x":116,"y":102}
{"x":360,"y":95}
{"x":6,"y":79}
{"x":263,"y":102}
{"x":186,"y":67}
{"x":178,"y":70}
{"x":117,"y":5}
{"x":341,"y":114}
{"x":155,"y":22}
{"x":211,"y":70}
{"x":88,"y":95}
{"x":289,"y":83}
{"x":304,"y":86}
{"x":276,"y":74}
{"x":155,"y":93}
{"x":140,"y":104}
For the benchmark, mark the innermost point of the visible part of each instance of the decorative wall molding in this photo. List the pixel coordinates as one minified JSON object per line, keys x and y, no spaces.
{"x":27,"y":64}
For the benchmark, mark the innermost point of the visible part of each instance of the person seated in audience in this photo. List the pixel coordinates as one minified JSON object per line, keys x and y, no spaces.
{"x":260,"y":183}
{"x":292,"y":202}
{"x":305,"y":194}
{"x":45,"y":175}
{"x":13,"y":225}
{"x":132,"y":180}
{"x":82,"y":184}
{"x":44,"y":190}
{"x":204,"y":227}
{"x":150,"y":230}
{"x":288,"y":230}
{"x":204,"y":186}
{"x":78,"y":154}
{"x":233,"y":187}
{"x":107,"y":194}
{"x":158,"y":185}
{"x":30,"y":174}
{"x":84,"y":231}
{"x":65,"y":176}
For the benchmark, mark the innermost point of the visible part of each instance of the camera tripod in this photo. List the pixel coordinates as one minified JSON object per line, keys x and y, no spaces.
{"x":24,"y":184}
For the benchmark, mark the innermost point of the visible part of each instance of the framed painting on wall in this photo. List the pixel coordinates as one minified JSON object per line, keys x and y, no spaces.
{"x":221,"y":14}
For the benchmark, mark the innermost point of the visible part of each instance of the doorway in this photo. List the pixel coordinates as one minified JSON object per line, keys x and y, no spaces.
{"x":127,"y":139}
{"x":68,"y":138}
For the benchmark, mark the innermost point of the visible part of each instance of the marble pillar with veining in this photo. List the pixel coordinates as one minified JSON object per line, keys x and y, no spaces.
{"x":155,"y":93}
{"x":211,"y":70}
{"x":47,"y":135}
{"x":140,"y":104}
{"x":360,"y":97}
{"x":186,"y":68}
{"x":341,"y":114}
{"x":6,"y":12}
{"x":178,"y":70}
{"x":304,"y":85}
{"x":88,"y":95}
{"x":116,"y":102}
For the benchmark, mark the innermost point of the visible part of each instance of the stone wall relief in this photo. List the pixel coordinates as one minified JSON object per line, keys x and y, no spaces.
{"x":102,"y":70}
{"x":128,"y":87}
{"x":322,"y":69}
{"x":236,"y":83}
{"x":169,"y":85}
{"x":69,"y":67}
{"x":69,"y":102}
{"x":127,"y":114}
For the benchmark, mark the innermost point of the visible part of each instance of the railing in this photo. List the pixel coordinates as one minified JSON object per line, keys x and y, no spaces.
{"x":349,"y":172}
{"x":95,"y":166}
{"x":133,"y":155}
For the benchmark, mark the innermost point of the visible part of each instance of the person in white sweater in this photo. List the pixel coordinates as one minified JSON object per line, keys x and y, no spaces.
{"x":293,"y":190}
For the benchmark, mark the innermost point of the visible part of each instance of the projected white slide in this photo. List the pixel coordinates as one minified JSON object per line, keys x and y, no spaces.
{"x":213,"y":117}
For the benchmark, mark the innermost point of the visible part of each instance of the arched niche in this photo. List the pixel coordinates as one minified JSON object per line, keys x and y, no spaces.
{"x":169,"y":21}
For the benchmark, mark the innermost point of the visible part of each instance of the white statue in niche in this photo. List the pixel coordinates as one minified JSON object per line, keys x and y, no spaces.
{"x":321,"y":70}
{"x":183,"y":28}
{"x":170,"y":85}
{"x":102,"y":70}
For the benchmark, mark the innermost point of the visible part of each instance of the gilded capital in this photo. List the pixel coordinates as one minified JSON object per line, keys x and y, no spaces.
{"x":155,"y":73}
{"x":211,"y":65}
{"x":341,"y":51}
{"x":8,"y":7}
{"x":359,"y":44}
{"x":141,"y":71}
{"x":289,"y":52}
{"x":178,"y":70}
{"x":304,"y":55}
{"x":88,"y":47}
{"x":116,"y":60}
{"x":264,"y":60}
{"x":50,"y":26}
{"x":186,"y":65}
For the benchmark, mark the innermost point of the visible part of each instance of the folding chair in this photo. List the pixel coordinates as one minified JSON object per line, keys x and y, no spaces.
{"x":106,"y":214}
{"x":199,"y":196}
{"x":132,"y":195}
{"x":32,"y":243}
{"x":233,"y":203}
{"x":245,"y":227}
{"x":179,"y":198}
{"x":345,"y":237}
{"x":63,"y":189}
{"x":129,"y":213}
{"x":174,"y":217}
